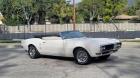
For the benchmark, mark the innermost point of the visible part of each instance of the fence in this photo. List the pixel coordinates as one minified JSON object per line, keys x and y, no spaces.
{"x":119,"y":30}
{"x":101,"y":27}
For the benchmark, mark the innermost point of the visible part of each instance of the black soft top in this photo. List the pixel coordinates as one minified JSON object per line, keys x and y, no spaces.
{"x":47,"y":35}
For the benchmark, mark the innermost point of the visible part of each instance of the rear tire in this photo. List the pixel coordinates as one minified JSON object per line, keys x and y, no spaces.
{"x":33,"y":52}
{"x":82,"y":57}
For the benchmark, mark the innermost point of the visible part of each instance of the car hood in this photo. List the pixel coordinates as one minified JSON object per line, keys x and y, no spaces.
{"x":97,"y":41}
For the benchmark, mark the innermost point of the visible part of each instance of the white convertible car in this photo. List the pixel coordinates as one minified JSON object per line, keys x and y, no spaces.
{"x":71,"y":44}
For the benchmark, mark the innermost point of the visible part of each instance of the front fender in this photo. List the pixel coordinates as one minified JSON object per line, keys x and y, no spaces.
{"x":70,"y":46}
{"x":91,"y":48}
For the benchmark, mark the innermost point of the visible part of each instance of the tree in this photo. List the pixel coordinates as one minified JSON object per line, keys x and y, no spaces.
{"x":25,"y":11}
{"x":89,"y":8}
{"x":7,"y":11}
{"x":105,"y":9}
{"x":131,"y":10}
{"x":44,"y":10}
{"x":137,"y":6}
{"x":16,"y":9}
{"x":27,"y":7}
{"x":62,"y":10}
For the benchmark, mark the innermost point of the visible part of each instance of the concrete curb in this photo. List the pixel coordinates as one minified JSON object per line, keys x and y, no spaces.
{"x":130,"y":40}
{"x":10,"y":45}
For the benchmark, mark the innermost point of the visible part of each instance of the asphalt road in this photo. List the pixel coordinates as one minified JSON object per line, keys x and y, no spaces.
{"x":15,"y":63}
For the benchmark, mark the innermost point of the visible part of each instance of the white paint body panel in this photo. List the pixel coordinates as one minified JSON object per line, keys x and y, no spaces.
{"x":52,"y":47}
{"x":65,"y":47}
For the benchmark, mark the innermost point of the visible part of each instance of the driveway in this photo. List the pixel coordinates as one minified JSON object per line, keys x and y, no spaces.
{"x":15,"y":63}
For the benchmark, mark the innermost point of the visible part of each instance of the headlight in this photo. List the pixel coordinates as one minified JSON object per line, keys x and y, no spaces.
{"x":102,"y":48}
{"x":117,"y":46}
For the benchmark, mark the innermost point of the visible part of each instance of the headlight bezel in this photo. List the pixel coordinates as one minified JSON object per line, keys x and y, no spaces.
{"x":102,"y":48}
{"x":117,"y":45}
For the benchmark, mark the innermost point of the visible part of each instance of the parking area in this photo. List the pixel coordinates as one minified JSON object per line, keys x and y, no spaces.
{"x":15,"y":63}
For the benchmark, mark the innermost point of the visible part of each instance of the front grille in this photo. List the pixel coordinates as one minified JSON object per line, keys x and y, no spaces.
{"x":106,"y":49}
{"x":109,"y":47}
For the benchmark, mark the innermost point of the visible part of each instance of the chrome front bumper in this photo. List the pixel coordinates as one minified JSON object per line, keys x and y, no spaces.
{"x":113,"y":48}
{"x":106,"y":53}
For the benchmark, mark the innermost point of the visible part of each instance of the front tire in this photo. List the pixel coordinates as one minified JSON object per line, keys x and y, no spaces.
{"x":33,"y":52}
{"x":82,"y":57}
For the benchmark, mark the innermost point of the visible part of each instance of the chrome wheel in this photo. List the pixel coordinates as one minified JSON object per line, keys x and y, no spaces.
{"x":81,"y":56}
{"x":33,"y":52}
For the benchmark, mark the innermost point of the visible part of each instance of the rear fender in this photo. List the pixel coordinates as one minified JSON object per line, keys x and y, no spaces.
{"x":35,"y":42}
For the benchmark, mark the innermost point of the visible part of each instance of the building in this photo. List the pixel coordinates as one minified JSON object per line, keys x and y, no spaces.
{"x":124,"y":18}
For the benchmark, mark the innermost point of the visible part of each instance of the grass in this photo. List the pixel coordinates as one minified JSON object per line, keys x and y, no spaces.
{"x":9,"y":41}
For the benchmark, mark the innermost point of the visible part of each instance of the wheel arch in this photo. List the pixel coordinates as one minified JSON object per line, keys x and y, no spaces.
{"x":31,"y":45}
{"x":79,"y":47}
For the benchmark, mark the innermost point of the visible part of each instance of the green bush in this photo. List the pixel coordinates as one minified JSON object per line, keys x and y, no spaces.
{"x":106,"y":18}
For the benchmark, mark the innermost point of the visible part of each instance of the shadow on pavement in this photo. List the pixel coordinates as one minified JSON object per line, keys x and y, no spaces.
{"x":127,"y":66}
{"x":4,"y":68}
{"x":57,"y":57}
{"x":6,"y":55}
{"x":123,"y":66}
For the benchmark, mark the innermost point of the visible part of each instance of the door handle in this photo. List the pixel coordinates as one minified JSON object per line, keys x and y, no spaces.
{"x":44,"y":42}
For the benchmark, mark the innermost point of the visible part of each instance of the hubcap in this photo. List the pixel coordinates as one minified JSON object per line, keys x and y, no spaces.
{"x":32,"y":51}
{"x":82,"y":56}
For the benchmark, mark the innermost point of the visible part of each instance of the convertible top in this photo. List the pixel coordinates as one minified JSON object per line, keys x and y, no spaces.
{"x":52,"y":34}
{"x":47,"y":35}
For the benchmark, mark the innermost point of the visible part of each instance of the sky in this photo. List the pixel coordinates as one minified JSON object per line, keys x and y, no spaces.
{"x":76,"y":1}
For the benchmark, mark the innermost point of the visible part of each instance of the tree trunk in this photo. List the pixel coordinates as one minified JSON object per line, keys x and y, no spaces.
{"x":28,"y":23}
{"x":60,"y":20}
{"x":36,"y":19}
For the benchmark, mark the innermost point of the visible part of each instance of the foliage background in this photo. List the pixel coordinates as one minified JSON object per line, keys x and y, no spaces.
{"x":17,"y":12}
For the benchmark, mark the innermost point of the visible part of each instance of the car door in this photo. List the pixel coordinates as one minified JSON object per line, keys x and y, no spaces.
{"x":53,"y":47}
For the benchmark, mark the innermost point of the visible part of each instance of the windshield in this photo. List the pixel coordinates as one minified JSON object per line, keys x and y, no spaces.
{"x":71,"y":34}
